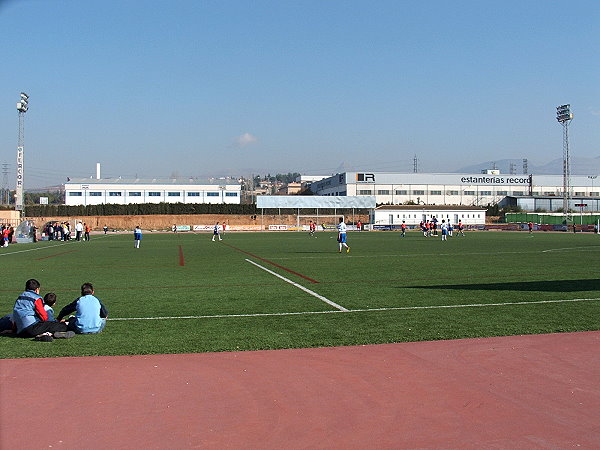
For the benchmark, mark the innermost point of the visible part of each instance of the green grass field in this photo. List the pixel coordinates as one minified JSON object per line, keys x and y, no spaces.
{"x":183,"y":293}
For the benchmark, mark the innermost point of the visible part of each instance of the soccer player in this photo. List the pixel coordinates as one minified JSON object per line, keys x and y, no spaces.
{"x":312,"y":228}
{"x":460,"y":228}
{"x":342,"y":236}
{"x":403,"y":229}
{"x":216,"y":232}
{"x":137,"y":236}
{"x":444,"y":230}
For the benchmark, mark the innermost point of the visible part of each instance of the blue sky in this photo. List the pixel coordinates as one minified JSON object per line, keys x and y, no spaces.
{"x":210,"y":88}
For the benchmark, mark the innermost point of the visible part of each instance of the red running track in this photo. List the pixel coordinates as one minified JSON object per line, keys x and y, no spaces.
{"x":522,"y":392}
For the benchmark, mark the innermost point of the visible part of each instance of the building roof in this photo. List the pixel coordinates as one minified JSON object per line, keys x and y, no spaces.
{"x":174,"y":181}
{"x":430,"y":207}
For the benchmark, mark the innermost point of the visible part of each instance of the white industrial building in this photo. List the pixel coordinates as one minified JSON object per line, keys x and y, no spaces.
{"x":392,"y":216}
{"x":450,"y":188}
{"x":90,"y":191}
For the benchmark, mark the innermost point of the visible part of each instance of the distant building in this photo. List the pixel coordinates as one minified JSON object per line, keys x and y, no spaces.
{"x":289,"y":189}
{"x":413,"y":214}
{"x":121,"y":191}
{"x":450,"y":188}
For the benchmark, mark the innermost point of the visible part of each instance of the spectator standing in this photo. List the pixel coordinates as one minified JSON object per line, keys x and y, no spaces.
{"x":78,"y":230}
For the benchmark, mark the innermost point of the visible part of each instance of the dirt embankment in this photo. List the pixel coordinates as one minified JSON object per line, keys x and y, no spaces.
{"x":165,"y":222}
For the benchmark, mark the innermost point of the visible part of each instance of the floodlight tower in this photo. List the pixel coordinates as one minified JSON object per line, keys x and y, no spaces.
{"x":22,"y":107}
{"x":564,"y":117}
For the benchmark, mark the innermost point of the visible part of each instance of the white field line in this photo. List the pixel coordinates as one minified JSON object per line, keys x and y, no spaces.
{"x":299,"y":286}
{"x":588,"y":247}
{"x":72,"y":241}
{"x":419,"y":255}
{"x":399,"y":308}
{"x":34,"y":249}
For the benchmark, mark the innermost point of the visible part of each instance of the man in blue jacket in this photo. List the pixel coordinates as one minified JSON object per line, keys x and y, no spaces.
{"x":29,"y":315}
{"x":90,"y":313}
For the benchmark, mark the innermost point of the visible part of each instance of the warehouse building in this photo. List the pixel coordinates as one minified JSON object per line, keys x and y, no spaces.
{"x":451,"y":188}
{"x":392,"y":216}
{"x":90,"y":191}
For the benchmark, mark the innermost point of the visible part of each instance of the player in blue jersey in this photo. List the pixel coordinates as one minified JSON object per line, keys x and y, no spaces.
{"x":342,"y":236}
{"x":137,"y":236}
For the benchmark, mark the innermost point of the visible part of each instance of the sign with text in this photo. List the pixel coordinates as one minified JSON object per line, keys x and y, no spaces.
{"x":496,"y":179}
{"x":19,"y":187}
{"x":278,"y":227}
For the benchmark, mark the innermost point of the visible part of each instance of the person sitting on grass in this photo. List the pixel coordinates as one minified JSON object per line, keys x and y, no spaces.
{"x":90,"y":313}
{"x":30,"y":317}
{"x":49,"y":302}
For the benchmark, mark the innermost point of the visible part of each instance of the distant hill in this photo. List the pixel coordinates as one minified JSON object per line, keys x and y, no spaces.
{"x":579,"y":166}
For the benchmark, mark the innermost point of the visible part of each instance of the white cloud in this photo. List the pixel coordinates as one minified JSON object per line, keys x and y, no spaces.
{"x":244,"y":140}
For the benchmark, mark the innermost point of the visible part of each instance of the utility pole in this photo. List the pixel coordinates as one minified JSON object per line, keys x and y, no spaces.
{"x":5,"y":200}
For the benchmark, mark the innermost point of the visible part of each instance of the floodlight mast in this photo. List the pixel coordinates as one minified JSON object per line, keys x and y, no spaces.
{"x":564,"y":117}
{"x":22,"y":107}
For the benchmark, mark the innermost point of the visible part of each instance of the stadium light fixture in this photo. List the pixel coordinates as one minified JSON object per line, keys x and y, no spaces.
{"x":563,"y":113}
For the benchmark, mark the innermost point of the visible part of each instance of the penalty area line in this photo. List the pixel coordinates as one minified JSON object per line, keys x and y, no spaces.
{"x":399,"y":308}
{"x":299,"y":286}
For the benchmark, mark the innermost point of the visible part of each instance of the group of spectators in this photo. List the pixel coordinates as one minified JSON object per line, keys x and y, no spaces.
{"x":61,"y":231}
{"x":33,"y":316}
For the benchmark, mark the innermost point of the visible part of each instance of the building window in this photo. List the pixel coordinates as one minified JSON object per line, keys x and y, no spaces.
{"x":174,"y":194}
{"x":402,"y":192}
{"x":383,"y":192}
{"x":193,"y":194}
{"x":485,"y":192}
{"x":594,"y":194}
{"x":535,"y":193}
{"x":435,"y":192}
{"x":231,"y":194}
{"x":453,"y":193}
{"x":580,"y":193}
{"x":212,"y":194}
{"x":518,"y":193}
{"x":365,"y":192}
{"x":153,"y":194}
{"x":135,"y":194}
{"x":115,"y":194}
{"x":469,"y":192}
{"x":75,"y":194}
{"x":95,"y":194}
{"x":418,"y":192}
{"x":502,"y":192}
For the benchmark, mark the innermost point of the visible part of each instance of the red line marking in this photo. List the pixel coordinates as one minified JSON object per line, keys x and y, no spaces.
{"x":272,"y":263}
{"x":56,"y":254}
{"x":181,"y":260}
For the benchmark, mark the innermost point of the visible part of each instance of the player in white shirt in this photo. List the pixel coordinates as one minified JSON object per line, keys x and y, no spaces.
{"x":216,"y":232}
{"x":342,"y":236}
{"x":444,"y":230}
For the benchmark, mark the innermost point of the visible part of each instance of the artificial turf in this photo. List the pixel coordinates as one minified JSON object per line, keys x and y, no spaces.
{"x":183,"y":293}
